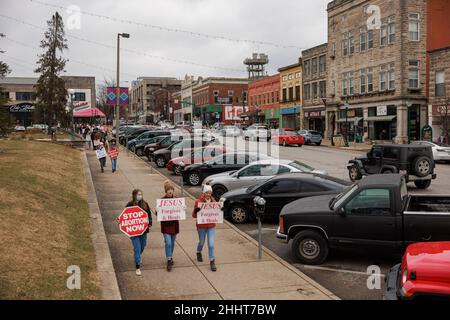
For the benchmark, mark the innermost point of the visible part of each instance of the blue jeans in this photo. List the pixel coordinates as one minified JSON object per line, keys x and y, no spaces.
{"x":169,"y":240}
{"x":139,"y":244}
{"x":202,"y":233}
{"x":102,"y":163}
{"x":114,"y":164}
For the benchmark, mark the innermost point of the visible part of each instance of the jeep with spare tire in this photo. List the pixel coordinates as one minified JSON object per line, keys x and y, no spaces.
{"x":415,"y":162}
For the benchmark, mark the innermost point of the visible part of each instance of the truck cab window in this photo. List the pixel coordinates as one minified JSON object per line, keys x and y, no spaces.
{"x":370,"y":202}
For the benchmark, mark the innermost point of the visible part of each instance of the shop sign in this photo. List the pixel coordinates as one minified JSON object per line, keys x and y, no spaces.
{"x":315,"y":114}
{"x":23,"y":107}
{"x":234,"y":112}
{"x":441,"y":110}
{"x":351,"y":113}
{"x":382,"y":111}
{"x":224,"y":100}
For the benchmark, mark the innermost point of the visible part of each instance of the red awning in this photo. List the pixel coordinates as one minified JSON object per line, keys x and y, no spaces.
{"x":88,"y":113}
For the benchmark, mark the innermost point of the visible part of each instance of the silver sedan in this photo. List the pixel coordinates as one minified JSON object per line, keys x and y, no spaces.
{"x":255,"y":173}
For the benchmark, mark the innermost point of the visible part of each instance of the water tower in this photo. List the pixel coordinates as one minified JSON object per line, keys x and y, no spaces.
{"x":256,"y":66}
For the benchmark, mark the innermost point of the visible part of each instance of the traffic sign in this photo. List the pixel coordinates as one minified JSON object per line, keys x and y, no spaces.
{"x":133,"y":221}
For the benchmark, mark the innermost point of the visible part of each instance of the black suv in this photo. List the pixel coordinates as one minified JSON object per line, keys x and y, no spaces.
{"x":414,"y":161}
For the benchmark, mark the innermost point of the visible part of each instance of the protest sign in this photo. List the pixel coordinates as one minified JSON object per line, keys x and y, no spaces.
{"x":210,"y":212}
{"x":171,"y":209}
{"x":133,"y":221}
{"x":101,"y":153}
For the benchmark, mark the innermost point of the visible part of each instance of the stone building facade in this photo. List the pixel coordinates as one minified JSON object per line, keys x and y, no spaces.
{"x":291,"y":95}
{"x":314,"y":87}
{"x":377,"y":69}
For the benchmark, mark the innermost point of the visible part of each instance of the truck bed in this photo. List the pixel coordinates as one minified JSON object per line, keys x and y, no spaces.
{"x":428,"y":204}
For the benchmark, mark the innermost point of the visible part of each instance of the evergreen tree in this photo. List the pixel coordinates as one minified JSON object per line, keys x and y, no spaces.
{"x":5,"y":118}
{"x":51,"y":94}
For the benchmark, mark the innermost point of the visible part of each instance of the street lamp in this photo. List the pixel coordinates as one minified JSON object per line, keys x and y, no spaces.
{"x":346,"y":123}
{"x":123,"y":35}
{"x":408,"y":106}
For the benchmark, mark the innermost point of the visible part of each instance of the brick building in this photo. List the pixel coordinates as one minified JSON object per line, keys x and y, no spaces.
{"x":150,"y":98}
{"x":314,"y":87}
{"x":291,"y":95}
{"x":177,"y":110}
{"x":438,"y":50}
{"x":219,"y":99}
{"x":264,"y":100}
{"x":377,"y":73}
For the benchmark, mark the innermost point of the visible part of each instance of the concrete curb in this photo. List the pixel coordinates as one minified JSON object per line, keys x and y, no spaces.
{"x":254,"y":242}
{"x":109,"y":285}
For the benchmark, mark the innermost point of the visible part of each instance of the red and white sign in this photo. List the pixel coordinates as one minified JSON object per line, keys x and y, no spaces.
{"x":210,"y":212}
{"x":113,"y":153}
{"x":171,"y":209}
{"x":133,"y":221}
{"x":233,"y":112}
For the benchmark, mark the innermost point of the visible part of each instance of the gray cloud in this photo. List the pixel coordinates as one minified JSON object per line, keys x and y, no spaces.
{"x":300,"y":23}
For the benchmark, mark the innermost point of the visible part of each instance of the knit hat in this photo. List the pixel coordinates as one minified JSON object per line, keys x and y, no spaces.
{"x":168,"y":186}
{"x":207,"y":188}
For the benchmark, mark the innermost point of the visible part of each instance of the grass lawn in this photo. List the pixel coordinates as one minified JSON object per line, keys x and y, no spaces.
{"x":44,"y":222}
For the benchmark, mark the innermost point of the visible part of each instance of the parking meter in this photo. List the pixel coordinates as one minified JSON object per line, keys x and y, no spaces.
{"x":260,"y":208}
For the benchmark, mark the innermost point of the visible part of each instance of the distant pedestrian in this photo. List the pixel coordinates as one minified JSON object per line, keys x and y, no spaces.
{"x":169,"y":229}
{"x":205,"y":230}
{"x":113,"y":153}
{"x":88,"y":138}
{"x":140,"y":242}
{"x":101,"y":156}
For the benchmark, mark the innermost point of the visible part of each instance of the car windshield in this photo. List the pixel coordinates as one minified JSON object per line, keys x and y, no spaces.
{"x":290,"y":133}
{"x":301,"y":166}
{"x":344,"y":196}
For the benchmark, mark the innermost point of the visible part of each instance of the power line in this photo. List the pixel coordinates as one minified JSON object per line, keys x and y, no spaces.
{"x":174,"y":30}
{"x":128,"y":50}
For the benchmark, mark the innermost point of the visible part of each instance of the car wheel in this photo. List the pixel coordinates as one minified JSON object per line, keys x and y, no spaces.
{"x":423,"y":184}
{"x":139,"y":152}
{"x":422,"y":166}
{"x":310,"y":247}
{"x":318,"y":143}
{"x":194,"y":179}
{"x":160,"y":162}
{"x":219,"y":191}
{"x":284,"y":143}
{"x":239,"y":214}
{"x":354,"y":174}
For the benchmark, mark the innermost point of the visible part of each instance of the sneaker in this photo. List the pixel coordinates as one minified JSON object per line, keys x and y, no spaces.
{"x":199,"y":257}
{"x":138,"y":272}
{"x":213,"y":265}
{"x":169,"y":265}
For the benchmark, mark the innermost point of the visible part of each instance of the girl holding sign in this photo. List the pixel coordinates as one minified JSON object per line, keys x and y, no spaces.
{"x":140,"y":242}
{"x":113,"y":153}
{"x":101,"y":156}
{"x":169,"y":229}
{"x":205,"y":229}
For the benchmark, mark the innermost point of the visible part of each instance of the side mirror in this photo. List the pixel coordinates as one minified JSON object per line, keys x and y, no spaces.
{"x":342,"y":212}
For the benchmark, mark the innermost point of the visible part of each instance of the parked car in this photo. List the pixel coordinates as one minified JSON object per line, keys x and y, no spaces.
{"x":131,"y":133}
{"x":377,"y":212}
{"x":217,"y":126}
{"x":177,"y":149}
{"x":423,"y":273}
{"x":19,"y":128}
{"x":230,"y":131}
{"x":441,"y":152}
{"x":311,"y":137}
{"x":288,"y":137}
{"x":145,"y":136}
{"x":202,"y":134}
{"x":254,"y":173}
{"x":151,"y":147}
{"x":195,"y":174}
{"x":257,"y":133}
{"x":278,"y":191}
{"x":139,"y":147}
{"x":207,"y":153}
{"x":414,"y":161}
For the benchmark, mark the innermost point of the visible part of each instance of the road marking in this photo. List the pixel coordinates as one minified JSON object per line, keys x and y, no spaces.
{"x":335,"y":270}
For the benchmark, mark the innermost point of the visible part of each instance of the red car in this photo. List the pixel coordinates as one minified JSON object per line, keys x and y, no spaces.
{"x":287,"y":137}
{"x":423,"y":273}
{"x":197,"y":156}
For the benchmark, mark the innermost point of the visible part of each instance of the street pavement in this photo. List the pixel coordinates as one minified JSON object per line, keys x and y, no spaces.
{"x":344,"y":273}
{"x":240,"y":274}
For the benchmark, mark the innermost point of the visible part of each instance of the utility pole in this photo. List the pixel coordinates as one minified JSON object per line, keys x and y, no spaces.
{"x":124,"y":35}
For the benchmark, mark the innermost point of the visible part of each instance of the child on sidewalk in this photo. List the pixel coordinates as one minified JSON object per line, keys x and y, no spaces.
{"x":113,"y":153}
{"x":101,"y":156}
{"x":169,"y":229}
{"x":205,"y":229}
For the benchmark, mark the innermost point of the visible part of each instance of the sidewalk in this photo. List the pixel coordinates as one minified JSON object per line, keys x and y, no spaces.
{"x":240,"y":274}
{"x":352,"y":146}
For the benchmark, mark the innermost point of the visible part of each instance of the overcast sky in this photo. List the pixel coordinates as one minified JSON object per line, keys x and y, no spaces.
{"x":300,"y":23}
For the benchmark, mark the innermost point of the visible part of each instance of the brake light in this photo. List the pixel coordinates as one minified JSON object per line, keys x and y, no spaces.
{"x":404,"y":277}
{"x":281,"y":224}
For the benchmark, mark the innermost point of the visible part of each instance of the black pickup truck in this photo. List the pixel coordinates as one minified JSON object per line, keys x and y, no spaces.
{"x":377,"y":212}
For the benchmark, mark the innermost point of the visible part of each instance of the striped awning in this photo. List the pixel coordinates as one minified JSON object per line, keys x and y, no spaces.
{"x":381,"y":119}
